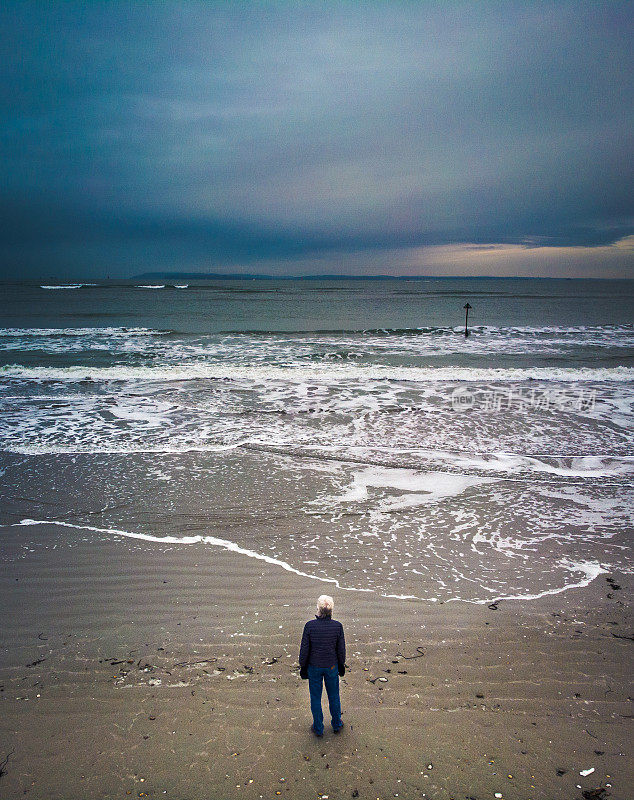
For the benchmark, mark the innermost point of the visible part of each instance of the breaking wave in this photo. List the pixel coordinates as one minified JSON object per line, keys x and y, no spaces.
{"x":318,"y":373}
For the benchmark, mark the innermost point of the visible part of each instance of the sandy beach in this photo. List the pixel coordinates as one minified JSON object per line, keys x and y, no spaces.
{"x":129,"y":671}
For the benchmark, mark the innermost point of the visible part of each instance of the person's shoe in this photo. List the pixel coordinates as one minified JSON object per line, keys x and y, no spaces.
{"x":340,"y":728}
{"x":315,"y":732}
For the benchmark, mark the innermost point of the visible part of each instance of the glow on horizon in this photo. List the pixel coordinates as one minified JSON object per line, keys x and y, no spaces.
{"x":464,"y":259}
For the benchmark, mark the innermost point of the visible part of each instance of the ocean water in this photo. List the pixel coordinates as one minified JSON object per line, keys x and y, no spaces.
{"x":345,"y":430}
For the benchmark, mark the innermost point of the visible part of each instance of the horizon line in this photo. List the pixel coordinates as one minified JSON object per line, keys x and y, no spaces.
{"x":230,"y":276}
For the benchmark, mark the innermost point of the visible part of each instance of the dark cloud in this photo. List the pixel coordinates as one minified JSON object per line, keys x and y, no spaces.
{"x":218,"y":134}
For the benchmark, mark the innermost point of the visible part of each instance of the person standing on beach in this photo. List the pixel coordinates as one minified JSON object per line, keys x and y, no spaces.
{"x":322,"y":659}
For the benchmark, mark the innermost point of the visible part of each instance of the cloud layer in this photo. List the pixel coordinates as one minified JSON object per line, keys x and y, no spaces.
{"x":203,"y":136}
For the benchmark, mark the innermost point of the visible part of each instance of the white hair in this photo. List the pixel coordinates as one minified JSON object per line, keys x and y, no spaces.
{"x":325,"y":605}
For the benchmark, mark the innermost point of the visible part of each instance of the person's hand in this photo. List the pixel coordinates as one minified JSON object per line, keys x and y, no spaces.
{"x":303,"y":673}
{"x":342,"y":670}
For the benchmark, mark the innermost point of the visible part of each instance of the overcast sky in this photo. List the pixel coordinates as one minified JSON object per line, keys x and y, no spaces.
{"x":400,"y":138}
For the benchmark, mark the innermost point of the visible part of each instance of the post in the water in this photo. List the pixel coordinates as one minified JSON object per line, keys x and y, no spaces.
{"x":466,"y":319}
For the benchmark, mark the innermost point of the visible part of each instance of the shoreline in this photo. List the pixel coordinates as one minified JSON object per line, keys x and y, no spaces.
{"x":592,"y":570}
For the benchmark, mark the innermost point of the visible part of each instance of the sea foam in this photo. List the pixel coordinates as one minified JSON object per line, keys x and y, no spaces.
{"x":330,"y":373}
{"x":68,"y":286}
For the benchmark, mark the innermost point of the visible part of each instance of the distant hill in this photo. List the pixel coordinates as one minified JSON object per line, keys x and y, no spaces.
{"x":250,"y":276}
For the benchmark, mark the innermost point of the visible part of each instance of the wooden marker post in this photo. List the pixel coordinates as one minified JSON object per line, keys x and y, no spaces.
{"x":466,"y":319}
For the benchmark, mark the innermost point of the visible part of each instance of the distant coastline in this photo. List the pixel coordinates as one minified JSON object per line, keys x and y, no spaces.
{"x":236,"y":276}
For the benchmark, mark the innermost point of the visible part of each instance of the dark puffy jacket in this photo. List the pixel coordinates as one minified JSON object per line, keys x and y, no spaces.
{"x":323,"y":644}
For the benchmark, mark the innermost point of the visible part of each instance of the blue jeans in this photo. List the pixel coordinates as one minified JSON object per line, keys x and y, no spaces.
{"x":317,"y":676}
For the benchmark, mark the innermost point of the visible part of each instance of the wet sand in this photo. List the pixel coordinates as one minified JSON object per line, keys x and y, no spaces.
{"x":129,"y":669}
